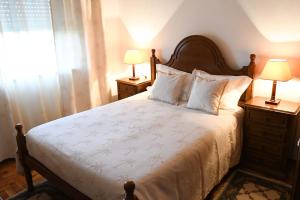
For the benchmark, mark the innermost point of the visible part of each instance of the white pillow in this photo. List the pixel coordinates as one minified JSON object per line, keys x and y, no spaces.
{"x":233,"y":91}
{"x":197,"y":72}
{"x":149,"y":88}
{"x":187,"y":81}
{"x":186,"y":87}
{"x":206,"y":95}
{"x":168,"y":70}
{"x":167,"y":88}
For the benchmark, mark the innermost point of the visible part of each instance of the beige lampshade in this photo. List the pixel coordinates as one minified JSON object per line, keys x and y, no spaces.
{"x":276,"y":69}
{"x":134,"y":56}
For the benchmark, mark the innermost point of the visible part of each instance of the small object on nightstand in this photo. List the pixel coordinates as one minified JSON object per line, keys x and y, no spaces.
{"x":127,"y":88}
{"x":276,"y":70}
{"x":269,"y":132}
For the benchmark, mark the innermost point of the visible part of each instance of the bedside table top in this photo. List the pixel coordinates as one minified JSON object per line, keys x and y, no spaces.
{"x":126,"y":80}
{"x":286,"y":107}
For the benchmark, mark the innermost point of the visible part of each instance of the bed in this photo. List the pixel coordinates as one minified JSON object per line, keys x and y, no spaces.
{"x":152,"y":149}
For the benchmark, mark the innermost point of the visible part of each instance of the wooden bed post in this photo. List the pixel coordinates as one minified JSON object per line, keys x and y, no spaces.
{"x":129,"y":187}
{"x":153,"y":61}
{"x":251,"y":68}
{"x":251,"y":65}
{"x":22,"y":154}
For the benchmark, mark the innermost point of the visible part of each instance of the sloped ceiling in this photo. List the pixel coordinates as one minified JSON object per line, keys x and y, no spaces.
{"x":138,"y":16}
{"x":277,"y":20}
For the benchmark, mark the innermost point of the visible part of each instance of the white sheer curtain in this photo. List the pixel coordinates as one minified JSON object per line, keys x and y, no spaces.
{"x":78,"y":31}
{"x":52,"y":62}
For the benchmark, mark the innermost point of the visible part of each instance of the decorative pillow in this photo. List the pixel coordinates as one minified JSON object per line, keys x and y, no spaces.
{"x":206,"y":95}
{"x":149,"y":88}
{"x":168,"y":70}
{"x":186,"y":87}
{"x":197,"y":72}
{"x":187,"y":81}
{"x":233,"y":91}
{"x":167,"y":88}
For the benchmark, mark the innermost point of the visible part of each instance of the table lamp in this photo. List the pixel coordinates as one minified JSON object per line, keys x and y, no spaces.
{"x":276,"y":70}
{"x":133,"y":57}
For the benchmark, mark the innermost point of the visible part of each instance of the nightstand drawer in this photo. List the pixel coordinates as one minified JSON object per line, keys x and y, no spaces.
{"x":258,"y":160}
{"x":127,"y":90}
{"x":268,"y":118}
{"x":142,"y":88}
{"x":275,"y":134}
{"x":127,"y":87}
{"x":264,"y":149}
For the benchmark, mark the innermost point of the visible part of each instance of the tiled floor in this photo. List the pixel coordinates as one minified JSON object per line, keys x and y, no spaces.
{"x":10,"y":182}
{"x":251,"y":191}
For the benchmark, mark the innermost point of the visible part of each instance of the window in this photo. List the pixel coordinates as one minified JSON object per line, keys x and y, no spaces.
{"x":26,"y":39}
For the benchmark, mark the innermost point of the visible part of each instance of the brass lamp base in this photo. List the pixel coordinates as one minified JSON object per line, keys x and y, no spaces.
{"x":273,"y":99}
{"x":273,"y":102}
{"x":134,"y":78}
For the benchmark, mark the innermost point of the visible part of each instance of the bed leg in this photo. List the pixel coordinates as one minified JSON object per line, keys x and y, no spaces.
{"x":22,"y":153}
{"x":28,"y":177}
{"x":129,"y":187}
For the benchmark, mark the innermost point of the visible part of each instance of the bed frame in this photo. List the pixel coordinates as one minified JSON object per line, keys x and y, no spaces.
{"x":192,"y":52}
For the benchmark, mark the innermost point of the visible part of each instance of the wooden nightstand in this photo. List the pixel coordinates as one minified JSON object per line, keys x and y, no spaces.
{"x":268,"y":134}
{"x":127,"y":88}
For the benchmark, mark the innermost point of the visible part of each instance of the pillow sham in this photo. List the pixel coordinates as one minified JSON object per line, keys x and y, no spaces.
{"x":198,"y":72}
{"x":206,"y":95}
{"x":167,"y":88}
{"x":233,"y":91}
{"x":168,"y":70}
{"x":187,"y":80}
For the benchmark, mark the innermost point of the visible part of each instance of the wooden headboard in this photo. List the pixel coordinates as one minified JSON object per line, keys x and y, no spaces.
{"x":199,"y":52}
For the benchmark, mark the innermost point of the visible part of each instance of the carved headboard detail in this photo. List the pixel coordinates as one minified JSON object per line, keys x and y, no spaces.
{"x":197,"y":51}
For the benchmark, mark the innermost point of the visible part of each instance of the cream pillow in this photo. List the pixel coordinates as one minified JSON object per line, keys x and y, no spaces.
{"x":187,"y":80}
{"x":197,"y":72}
{"x":168,"y":70}
{"x":167,"y":88}
{"x":206,"y":95}
{"x":233,"y":91}
{"x":187,"y":84}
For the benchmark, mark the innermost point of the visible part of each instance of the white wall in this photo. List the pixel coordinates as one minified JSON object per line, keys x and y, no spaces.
{"x":239,"y":27}
{"x":114,"y":43}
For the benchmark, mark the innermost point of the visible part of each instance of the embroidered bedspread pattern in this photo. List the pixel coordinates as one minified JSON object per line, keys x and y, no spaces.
{"x":170,"y":152}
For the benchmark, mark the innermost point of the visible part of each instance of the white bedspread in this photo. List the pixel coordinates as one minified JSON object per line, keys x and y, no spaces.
{"x":171,"y":152}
